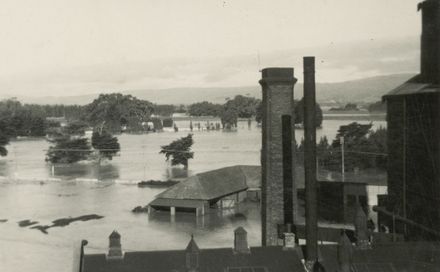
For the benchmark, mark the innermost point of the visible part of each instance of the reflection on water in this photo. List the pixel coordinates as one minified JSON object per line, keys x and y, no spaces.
{"x":242,"y":215}
{"x":84,"y":170}
{"x":175,"y":172}
{"x":4,"y":168}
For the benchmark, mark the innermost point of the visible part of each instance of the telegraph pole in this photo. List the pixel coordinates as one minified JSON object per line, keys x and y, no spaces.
{"x":341,"y":139}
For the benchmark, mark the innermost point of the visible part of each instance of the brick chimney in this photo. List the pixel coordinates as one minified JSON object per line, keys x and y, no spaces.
{"x":345,"y":253}
{"x":115,"y":249}
{"x":430,"y":41}
{"x":192,"y":256}
{"x":278,"y":198}
{"x":240,"y":241}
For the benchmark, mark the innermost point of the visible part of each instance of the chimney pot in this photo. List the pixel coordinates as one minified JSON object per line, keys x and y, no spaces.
{"x":240,"y":241}
{"x":289,"y":241}
{"x":115,"y":249}
{"x":192,"y":256}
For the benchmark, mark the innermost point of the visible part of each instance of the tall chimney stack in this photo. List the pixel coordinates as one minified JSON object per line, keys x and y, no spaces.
{"x":310,"y":161}
{"x":279,"y":198}
{"x":430,"y":41}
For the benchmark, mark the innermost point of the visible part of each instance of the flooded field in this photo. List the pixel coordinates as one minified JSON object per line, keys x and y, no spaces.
{"x":29,"y":191}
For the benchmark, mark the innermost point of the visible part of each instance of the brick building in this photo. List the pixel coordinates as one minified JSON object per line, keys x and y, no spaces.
{"x":413,"y":121}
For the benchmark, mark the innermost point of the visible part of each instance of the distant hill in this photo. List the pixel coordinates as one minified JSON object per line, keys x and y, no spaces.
{"x":359,"y":91}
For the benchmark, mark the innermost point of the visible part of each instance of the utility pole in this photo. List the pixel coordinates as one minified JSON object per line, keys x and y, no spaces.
{"x":341,"y":139}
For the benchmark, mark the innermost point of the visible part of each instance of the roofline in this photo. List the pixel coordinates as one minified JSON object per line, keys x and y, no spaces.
{"x":178,"y":250}
{"x":417,"y":79}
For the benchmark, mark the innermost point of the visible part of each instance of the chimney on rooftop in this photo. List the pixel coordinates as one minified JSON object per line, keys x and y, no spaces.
{"x":289,"y":241}
{"x":115,"y":249}
{"x":345,"y":253}
{"x":192,"y":256}
{"x":430,"y":41}
{"x":361,"y":229}
{"x":278,"y":198}
{"x":240,"y":241}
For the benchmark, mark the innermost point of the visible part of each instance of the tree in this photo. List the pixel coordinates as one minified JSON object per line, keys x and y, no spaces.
{"x":204,"y":109}
{"x":179,"y":151}
{"x":246,"y":107}
{"x":112,"y":111}
{"x":353,"y":134}
{"x":259,"y":112}
{"x":105,"y":144}
{"x":299,"y":113}
{"x":229,"y":118}
{"x":4,"y":136}
{"x":69,"y":144}
{"x":363,"y":148}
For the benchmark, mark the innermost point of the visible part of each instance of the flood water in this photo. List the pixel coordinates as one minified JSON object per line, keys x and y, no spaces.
{"x":28,"y":190}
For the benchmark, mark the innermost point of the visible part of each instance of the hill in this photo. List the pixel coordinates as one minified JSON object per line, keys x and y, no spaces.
{"x":359,"y":91}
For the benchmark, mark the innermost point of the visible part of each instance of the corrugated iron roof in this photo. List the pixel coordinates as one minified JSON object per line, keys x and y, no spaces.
{"x":413,"y":86}
{"x":215,"y":184}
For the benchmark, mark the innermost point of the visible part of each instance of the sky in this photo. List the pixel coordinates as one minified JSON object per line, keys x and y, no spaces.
{"x":75,"y":47}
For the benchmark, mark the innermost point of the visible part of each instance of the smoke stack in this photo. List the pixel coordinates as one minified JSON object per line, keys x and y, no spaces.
{"x":310,"y":161}
{"x":240,"y":241}
{"x":430,"y":41}
{"x":279,"y":199}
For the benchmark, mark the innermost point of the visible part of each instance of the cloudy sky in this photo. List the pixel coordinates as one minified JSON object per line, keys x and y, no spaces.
{"x":68,"y":47}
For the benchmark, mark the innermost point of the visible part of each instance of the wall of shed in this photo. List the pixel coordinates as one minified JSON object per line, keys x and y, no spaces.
{"x":414,"y":161}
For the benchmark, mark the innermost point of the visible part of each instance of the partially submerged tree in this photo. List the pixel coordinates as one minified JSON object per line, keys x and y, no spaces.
{"x":116,"y":110}
{"x":4,"y":136}
{"x":229,"y":118}
{"x":69,"y":144}
{"x":179,"y":151}
{"x":105,"y":144}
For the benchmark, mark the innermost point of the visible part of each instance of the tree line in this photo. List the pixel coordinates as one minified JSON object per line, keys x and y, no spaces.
{"x":245,"y":107}
{"x":364,"y":148}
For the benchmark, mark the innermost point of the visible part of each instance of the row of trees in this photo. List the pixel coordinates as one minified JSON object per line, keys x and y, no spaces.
{"x":364,"y":148}
{"x":69,"y":144}
{"x":244,"y":107}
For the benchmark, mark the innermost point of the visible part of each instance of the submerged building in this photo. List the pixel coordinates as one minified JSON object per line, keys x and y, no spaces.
{"x":414,"y":192}
{"x":200,"y":192}
{"x":413,"y":123}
